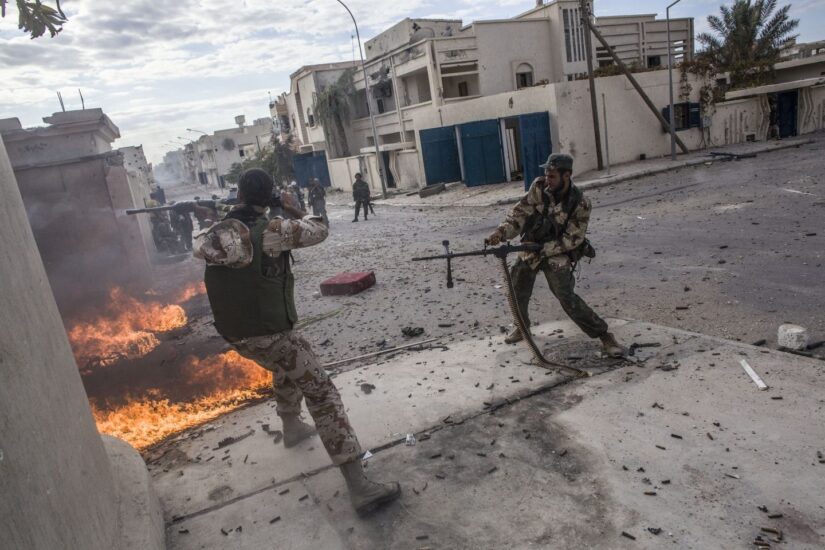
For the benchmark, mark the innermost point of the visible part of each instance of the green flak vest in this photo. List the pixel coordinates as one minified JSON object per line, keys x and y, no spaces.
{"x":256,"y":300}
{"x":540,"y":227}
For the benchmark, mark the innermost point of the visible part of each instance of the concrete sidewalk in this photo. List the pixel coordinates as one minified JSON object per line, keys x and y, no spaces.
{"x":458,"y":194}
{"x":677,"y":450}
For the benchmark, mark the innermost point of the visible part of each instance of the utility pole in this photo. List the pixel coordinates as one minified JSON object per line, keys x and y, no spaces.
{"x":638,"y":88}
{"x":379,"y":158}
{"x":594,"y":107}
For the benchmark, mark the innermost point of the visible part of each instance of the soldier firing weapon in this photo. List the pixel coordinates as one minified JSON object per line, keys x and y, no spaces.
{"x":501,"y":253}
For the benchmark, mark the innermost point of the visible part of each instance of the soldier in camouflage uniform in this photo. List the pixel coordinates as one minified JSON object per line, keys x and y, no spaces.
{"x":361,"y":195}
{"x":250,"y":288}
{"x":555,"y":213}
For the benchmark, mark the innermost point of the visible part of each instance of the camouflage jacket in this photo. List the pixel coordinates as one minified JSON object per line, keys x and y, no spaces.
{"x":556,"y":250}
{"x":227,"y":243}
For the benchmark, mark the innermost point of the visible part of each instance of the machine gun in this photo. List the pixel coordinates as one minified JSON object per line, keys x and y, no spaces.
{"x":500,"y":252}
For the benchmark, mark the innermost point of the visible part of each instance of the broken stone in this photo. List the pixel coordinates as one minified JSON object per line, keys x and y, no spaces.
{"x":367,"y":388}
{"x":792,"y":337}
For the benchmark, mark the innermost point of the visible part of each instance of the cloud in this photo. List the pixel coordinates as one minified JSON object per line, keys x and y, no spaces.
{"x":159,"y":67}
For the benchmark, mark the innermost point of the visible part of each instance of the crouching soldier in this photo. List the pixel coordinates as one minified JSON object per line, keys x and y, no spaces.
{"x":555,"y":213}
{"x":250,"y":288}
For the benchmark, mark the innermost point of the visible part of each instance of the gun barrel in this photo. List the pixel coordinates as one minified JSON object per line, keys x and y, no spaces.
{"x":497,"y":251}
{"x":131,"y":211}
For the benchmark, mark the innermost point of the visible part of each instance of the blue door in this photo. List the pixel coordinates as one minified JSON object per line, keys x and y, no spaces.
{"x":440,"y":153}
{"x":482,"y":153}
{"x":535,"y":144}
{"x":311,"y":165}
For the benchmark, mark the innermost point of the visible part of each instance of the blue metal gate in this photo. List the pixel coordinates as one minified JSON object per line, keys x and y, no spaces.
{"x":311,"y":165}
{"x":535,"y":144}
{"x":481,"y":151}
{"x":440,"y":152}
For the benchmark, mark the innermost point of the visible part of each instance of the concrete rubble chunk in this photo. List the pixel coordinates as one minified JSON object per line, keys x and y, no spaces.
{"x":792,"y":337}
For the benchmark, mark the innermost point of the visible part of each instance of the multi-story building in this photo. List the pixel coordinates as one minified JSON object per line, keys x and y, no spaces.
{"x":214,"y":154}
{"x":641,"y":40}
{"x":418,"y":67}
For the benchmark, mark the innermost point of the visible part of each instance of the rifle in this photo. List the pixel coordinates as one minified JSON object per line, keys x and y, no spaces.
{"x":182,"y":207}
{"x":499,"y":252}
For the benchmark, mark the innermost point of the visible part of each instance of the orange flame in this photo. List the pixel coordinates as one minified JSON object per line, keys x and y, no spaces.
{"x":229,"y":381}
{"x":126,"y":331}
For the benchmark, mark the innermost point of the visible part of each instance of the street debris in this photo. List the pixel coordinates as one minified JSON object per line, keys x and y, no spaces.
{"x":367,"y":388}
{"x":275,"y":520}
{"x":655,"y":530}
{"x":752,"y":373}
{"x":792,"y":337}
{"x":412,"y":332}
{"x":410,"y":441}
{"x":628,"y":535}
{"x":225,"y":442}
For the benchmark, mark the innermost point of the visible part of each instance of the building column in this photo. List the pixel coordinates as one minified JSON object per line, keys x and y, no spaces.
{"x":56,"y":479}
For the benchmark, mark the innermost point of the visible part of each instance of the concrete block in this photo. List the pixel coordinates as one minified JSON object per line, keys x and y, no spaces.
{"x":346,"y":284}
{"x":792,"y":337}
{"x":431,"y":190}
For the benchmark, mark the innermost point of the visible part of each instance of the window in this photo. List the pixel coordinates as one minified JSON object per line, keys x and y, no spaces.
{"x":240,"y":152}
{"x":685,"y":116}
{"x":310,"y":118}
{"x":463,"y":89}
{"x":573,"y":35}
{"x":567,"y":44}
{"x":380,"y":104}
{"x":524,"y":76}
{"x":654,"y":61}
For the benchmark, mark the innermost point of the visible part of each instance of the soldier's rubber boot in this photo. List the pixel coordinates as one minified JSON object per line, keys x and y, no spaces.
{"x":514,"y":336}
{"x":612,"y":348}
{"x":296,"y":431}
{"x":367,"y":496}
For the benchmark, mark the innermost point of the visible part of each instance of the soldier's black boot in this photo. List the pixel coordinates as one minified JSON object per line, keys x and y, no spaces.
{"x":295,"y":431}
{"x":367,"y":496}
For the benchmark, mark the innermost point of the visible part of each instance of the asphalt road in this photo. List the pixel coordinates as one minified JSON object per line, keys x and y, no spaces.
{"x":732,"y":249}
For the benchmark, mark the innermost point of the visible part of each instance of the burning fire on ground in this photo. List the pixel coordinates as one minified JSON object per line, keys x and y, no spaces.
{"x":148,"y":420}
{"x":128,"y":329}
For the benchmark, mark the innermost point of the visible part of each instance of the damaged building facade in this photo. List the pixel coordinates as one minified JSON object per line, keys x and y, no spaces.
{"x":76,"y":189}
{"x":420,"y":69}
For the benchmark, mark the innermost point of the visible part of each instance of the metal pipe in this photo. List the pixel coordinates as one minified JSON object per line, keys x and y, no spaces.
{"x":379,"y":158}
{"x":594,"y":108}
{"x":670,"y":84}
{"x":606,"y":135}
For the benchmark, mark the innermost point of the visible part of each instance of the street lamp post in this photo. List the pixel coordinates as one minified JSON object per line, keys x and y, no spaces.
{"x":670,"y":83}
{"x":379,"y":159}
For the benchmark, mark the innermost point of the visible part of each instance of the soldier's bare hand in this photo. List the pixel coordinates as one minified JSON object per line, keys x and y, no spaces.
{"x":494,"y":238}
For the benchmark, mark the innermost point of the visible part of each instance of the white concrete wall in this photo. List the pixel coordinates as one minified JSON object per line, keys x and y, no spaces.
{"x":632,"y":129}
{"x":503,"y":45}
{"x":342,"y":172}
{"x":55,"y":478}
{"x":811,"y":109}
{"x":734,"y":120}
{"x":407,"y":170}
{"x":800,"y":69}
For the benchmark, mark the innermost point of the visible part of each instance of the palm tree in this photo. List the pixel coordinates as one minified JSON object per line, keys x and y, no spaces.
{"x":746,"y":39}
{"x":333,"y":107}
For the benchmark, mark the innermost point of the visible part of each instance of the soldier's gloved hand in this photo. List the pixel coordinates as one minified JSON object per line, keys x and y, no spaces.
{"x":494,"y":238}
{"x":289,"y":200}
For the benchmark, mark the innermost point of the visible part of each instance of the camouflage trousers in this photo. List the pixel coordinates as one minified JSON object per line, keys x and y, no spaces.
{"x":297,"y":375}
{"x":561,"y":281}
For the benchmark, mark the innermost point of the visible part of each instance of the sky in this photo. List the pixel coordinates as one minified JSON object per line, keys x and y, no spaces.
{"x":158,"y":68}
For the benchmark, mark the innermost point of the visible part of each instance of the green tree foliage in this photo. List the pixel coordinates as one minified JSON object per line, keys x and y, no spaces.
{"x":36,"y":18}
{"x":333,"y":108}
{"x":746,"y":39}
{"x":276,"y":158}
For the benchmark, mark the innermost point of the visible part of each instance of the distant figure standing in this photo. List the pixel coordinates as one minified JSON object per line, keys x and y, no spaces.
{"x":318,"y":199}
{"x":361,"y":195}
{"x":296,"y":190}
